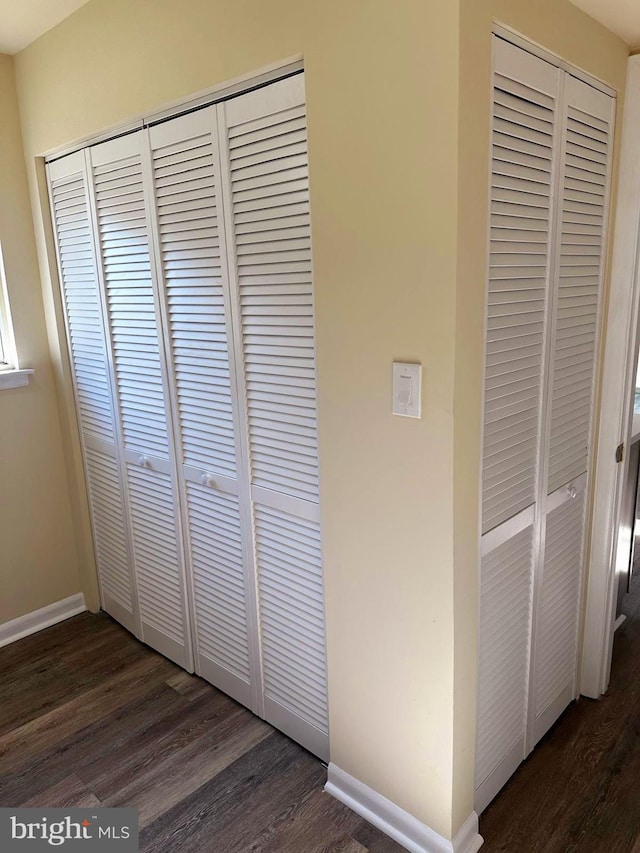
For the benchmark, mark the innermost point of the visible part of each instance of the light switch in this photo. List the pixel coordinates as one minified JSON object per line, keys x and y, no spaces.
{"x":407,"y":381}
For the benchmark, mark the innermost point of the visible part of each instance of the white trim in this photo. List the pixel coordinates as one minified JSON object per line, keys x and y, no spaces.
{"x":398,"y":824}
{"x":615,"y":410}
{"x":514,"y":37}
{"x":268,"y":74}
{"x":14,"y":378}
{"x":308,"y":510}
{"x":37,"y":620}
{"x":497,"y":536}
{"x":483,"y":543}
{"x":219,"y":482}
{"x":467,"y":839}
{"x":8,"y":349}
{"x":570,"y":491}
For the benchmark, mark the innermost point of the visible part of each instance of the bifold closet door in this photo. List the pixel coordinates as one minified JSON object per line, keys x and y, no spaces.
{"x":524,"y":134}
{"x":585,"y":164}
{"x":265,"y":183}
{"x":97,"y":412}
{"x":122,"y":232}
{"x":552,"y":140}
{"x":196,"y":303}
{"x":190,"y":241}
{"x":555,"y":638}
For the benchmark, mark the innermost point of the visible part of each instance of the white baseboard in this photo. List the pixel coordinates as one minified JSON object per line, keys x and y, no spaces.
{"x":398,"y":824}
{"x":467,"y":839}
{"x":35,"y":621}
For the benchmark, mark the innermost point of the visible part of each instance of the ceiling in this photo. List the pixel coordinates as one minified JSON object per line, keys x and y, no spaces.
{"x":620,"y":16}
{"x":22,"y":21}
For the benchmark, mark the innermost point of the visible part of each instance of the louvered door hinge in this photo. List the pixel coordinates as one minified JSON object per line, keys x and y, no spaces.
{"x":620,"y":452}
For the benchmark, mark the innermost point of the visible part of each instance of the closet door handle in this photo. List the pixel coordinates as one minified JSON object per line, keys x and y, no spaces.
{"x":143,"y":461}
{"x":208,"y":480}
{"x":572,"y":491}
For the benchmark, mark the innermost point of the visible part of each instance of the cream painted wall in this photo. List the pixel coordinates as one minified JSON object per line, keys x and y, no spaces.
{"x":398,"y":147}
{"x":382,"y":109}
{"x":38,"y":560}
{"x":563,"y":29}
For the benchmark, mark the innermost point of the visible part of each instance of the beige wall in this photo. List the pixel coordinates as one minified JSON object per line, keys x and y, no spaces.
{"x":399,"y":274}
{"x":563,"y":29}
{"x":382,"y":109}
{"x":38,"y":562}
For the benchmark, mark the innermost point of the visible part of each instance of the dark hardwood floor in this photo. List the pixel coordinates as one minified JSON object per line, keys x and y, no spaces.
{"x":90,"y":717}
{"x":580,"y":789}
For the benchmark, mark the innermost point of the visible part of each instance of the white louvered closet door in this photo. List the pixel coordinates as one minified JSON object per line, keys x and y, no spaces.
{"x":122,"y":233}
{"x":525,"y":95}
{"x":92,"y":383}
{"x":189,"y":236}
{"x":266,"y":193}
{"x":586,"y":154}
{"x":551,"y":156}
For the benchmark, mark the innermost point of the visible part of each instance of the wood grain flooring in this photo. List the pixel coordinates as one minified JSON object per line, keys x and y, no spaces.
{"x":89,"y":717}
{"x":580,"y":789}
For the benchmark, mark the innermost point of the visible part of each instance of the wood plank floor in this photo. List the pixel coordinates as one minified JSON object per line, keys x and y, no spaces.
{"x":580,"y":789}
{"x":90,"y":717}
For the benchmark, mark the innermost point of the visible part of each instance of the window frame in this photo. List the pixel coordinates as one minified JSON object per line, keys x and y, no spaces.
{"x":11,"y":375}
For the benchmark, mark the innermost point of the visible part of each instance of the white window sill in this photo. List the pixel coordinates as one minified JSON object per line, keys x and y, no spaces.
{"x":14,"y":378}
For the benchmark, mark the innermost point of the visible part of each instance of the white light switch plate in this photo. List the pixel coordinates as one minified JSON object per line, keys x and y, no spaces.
{"x":407,"y":389}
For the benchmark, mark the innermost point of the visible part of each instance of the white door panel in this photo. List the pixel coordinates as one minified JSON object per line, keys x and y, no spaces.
{"x":120,"y":204}
{"x":189,"y":237}
{"x":551,"y":157}
{"x":94,"y":391}
{"x":266,"y":193}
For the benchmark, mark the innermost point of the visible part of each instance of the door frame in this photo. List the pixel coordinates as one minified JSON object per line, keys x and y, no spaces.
{"x":615,"y":409}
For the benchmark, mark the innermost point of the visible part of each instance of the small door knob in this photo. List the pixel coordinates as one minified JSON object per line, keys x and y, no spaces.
{"x":207,"y":480}
{"x":143,"y":461}
{"x":572,"y":491}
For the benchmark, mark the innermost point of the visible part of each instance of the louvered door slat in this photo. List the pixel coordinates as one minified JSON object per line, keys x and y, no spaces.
{"x":264,"y":155}
{"x":120,"y":194}
{"x":579,"y":274}
{"x":189,"y":235}
{"x":524,"y":150}
{"x":92,"y":383}
{"x":80,"y":288}
{"x":521,"y":196}
{"x":202,"y":376}
{"x":505,"y":604}
{"x":292,"y":616}
{"x":133,"y":322}
{"x":551,"y":157}
{"x":582,"y":214}
{"x":556,"y":634}
{"x":157,"y":564}
{"x":285,"y":330}
{"x":111,"y":545}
